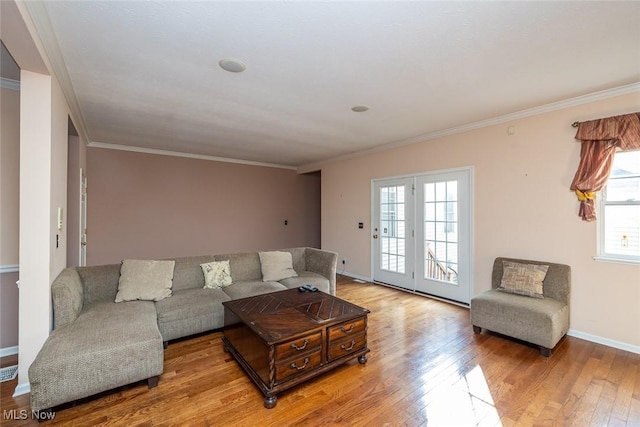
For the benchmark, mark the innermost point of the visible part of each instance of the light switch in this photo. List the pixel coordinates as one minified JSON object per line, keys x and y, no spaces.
{"x":59,"y":218}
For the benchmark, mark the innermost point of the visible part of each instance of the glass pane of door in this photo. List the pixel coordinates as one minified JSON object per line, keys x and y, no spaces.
{"x":392,"y":228}
{"x":441,"y":231}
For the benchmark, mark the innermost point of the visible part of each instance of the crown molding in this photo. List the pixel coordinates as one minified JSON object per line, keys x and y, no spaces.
{"x":571,"y":102}
{"x":94,"y":144}
{"x":50,"y":51}
{"x":9,"y":84}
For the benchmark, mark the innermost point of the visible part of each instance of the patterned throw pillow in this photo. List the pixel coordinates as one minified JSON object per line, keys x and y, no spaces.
{"x":217,"y":274}
{"x":523,"y":279}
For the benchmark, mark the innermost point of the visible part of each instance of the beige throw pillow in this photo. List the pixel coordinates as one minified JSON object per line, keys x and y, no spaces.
{"x":145,"y":280}
{"x":217,"y":274}
{"x":523,"y":279}
{"x":276,"y":265}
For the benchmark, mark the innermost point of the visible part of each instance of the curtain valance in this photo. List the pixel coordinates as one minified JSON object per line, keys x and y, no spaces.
{"x":600,"y":139}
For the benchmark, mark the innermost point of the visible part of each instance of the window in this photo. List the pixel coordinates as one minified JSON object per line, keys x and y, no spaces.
{"x":620,"y":210}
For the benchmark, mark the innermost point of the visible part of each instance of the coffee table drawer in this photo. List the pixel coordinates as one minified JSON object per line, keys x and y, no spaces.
{"x":344,"y":347}
{"x":298,"y":346}
{"x":298,"y":365}
{"x":345,"y":329}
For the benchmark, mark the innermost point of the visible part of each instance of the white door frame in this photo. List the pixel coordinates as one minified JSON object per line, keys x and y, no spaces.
{"x":82,"y":252}
{"x":416,"y":241}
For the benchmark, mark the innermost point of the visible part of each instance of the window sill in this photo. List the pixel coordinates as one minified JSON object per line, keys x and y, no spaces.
{"x":616,"y":260}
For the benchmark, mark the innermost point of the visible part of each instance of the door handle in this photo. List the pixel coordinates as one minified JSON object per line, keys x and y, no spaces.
{"x":375,"y":236}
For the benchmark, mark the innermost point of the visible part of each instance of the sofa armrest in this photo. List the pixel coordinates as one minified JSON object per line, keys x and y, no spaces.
{"x":324,"y":263}
{"x":67,"y":297}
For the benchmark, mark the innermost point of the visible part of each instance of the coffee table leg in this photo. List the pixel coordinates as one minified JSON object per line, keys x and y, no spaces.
{"x":270,"y":401}
{"x":362,"y":359}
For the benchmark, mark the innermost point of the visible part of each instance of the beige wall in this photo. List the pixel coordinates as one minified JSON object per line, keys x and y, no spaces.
{"x":154,"y":206}
{"x":523,"y":208}
{"x":9,"y":215}
{"x":9,"y":175}
{"x":9,"y":312}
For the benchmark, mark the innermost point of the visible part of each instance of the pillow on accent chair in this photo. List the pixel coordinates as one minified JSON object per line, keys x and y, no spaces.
{"x":276,"y":265}
{"x":145,"y":280}
{"x":217,"y":274}
{"x":523,"y":279}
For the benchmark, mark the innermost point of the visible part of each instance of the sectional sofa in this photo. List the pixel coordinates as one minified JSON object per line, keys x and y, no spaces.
{"x":98,"y":344}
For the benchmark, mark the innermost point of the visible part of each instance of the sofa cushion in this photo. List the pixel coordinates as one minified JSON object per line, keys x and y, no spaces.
{"x":252,"y":287}
{"x":216,"y":274}
{"x":244,"y":266}
{"x":145,"y":280}
{"x":276,"y":265}
{"x":523,"y":279}
{"x":557,"y":282}
{"x":190,"y":311}
{"x":99,"y":283}
{"x":187,"y":273}
{"x":107,"y":346}
{"x":298,"y":257}
{"x":307,"y":277}
{"x":539,"y":321}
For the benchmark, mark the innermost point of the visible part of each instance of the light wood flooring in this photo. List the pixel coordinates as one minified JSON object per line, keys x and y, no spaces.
{"x":426,"y":367}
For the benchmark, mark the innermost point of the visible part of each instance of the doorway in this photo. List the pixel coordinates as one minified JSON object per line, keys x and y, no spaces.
{"x":422,"y":233}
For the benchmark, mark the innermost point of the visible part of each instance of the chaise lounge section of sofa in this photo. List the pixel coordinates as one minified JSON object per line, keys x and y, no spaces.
{"x":98,"y":344}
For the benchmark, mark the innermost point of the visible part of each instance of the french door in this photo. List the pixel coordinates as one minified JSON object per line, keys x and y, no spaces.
{"x":393,"y":244}
{"x":422,"y":233}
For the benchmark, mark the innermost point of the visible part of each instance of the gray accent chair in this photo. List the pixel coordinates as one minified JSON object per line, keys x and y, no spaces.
{"x":542,"y":322}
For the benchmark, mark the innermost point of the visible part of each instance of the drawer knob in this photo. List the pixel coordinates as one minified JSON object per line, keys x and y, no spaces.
{"x":299,"y":368}
{"x":349,"y":329}
{"x":293,"y":345}
{"x":345,"y":348}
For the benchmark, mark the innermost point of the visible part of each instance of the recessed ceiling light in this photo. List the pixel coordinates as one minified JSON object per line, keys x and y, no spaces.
{"x":360,"y":108}
{"x":232,"y":65}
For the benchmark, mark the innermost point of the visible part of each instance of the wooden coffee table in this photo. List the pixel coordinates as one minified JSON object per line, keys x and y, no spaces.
{"x":284,"y":338}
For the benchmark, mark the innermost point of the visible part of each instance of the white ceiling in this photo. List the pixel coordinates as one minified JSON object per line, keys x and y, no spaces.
{"x":146,"y":74}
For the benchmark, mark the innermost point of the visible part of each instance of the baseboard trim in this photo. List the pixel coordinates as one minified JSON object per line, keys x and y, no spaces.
{"x":22,"y":388}
{"x":355,"y":276}
{"x":8,"y":351}
{"x":604,"y":341}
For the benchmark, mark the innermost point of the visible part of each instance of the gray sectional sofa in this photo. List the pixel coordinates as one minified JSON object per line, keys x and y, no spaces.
{"x":98,"y":344}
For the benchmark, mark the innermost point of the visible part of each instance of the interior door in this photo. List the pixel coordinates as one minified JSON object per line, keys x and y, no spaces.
{"x":392,"y":232}
{"x":444,"y":235}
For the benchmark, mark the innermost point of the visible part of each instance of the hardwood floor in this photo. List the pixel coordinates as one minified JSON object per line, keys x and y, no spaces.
{"x":425,"y":367}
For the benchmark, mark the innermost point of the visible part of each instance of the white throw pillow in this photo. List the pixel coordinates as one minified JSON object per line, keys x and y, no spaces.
{"x":145,"y":280}
{"x":217,"y":274}
{"x":276,"y":265}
